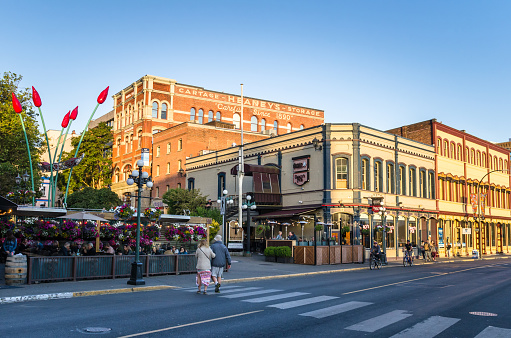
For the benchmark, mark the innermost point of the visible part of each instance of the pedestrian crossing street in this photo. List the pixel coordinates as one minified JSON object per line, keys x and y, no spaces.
{"x":280,"y":299}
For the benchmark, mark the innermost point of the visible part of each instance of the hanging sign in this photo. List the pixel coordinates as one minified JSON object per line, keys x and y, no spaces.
{"x":301,"y":170}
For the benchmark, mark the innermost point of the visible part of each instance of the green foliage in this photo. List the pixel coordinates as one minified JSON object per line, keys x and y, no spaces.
{"x":208,"y":213}
{"x":283,"y":251}
{"x":89,"y":198}
{"x":95,"y":170}
{"x":179,"y":200}
{"x":345,"y":229}
{"x":13,"y":149}
{"x":318,"y":227}
{"x":270,"y":251}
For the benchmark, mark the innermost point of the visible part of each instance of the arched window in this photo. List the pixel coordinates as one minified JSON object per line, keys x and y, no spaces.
{"x":459,"y":155}
{"x":253,"y":123}
{"x":139,"y":135}
{"x":158,"y":151}
{"x":496,"y":165}
{"x":483,"y":160}
{"x":130,"y":114}
{"x":402,"y":180}
{"x":163,"y":111}
{"x":390,"y":178}
{"x":157,"y":191}
{"x":453,"y":150}
{"x":423,"y":185}
{"x":192,"y":115}
{"x":179,"y":165}
{"x":117,"y":175}
{"x":500,"y":164}
{"x":263,"y":124}
{"x":168,"y":148}
{"x":210,"y":116}
{"x":446,"y":148}
{"x":412,"y":191}
{"x":139,"y":112}
{"x":155,"y":110}
{"x":289,"y":127}
{"x":378,"y":176}
{"x":341,"y":172}
{"x":180,"y":144}
{"x":472,"y":156}
{"x":201,"y":116}
{"x":127,"y":145}
{"x":168,"y":167}
{"x":236,"y":121}
{"x":276,"y":127}
{"x":218,"y":116}
{"x":301,"y":127}
{"x":439,"y":146}
{"x":179,"y":185}
{"x":365,"y":174}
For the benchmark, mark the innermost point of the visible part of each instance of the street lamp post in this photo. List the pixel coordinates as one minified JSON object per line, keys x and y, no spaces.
{"x":248,"y":206}
{"x":223,"y":201}
{"x":384,"y":240}
{"x":140,"y":178}
{"x":19,"y":179}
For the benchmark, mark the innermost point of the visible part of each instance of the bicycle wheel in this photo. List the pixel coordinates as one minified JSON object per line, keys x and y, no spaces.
{"x":372,"y":264}
{"x":405,"y":261}
{"x":379,"y":264}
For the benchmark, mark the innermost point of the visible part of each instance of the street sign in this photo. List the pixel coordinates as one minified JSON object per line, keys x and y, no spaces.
{"x":235,"y":245}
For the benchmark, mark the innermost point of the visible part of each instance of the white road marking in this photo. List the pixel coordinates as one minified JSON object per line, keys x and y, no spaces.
{"x":235,"y":290}
{"x":334,"y":310}
{"x":275,"y":297}
{"x":376,"y":323}
{"x":494,"y":332}
{"x":211,"y":285}
{"x":253,"y":293}
{"x":306,"y":301}
{"x":428,"y":328}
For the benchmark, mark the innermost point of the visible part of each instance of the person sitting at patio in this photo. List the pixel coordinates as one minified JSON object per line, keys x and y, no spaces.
{"x":107,"y":248}
{"x":66,"y":249}
{"x":182,"y":251}
{"x":55,"y":248}
{"x":279,"y":236}
{"x":292,"y":236}
{"x":127,"y":250}
{"x":89,"y":250}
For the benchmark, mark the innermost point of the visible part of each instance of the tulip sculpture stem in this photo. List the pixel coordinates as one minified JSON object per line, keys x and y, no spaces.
{"x":54,"y":161}
{"x":29,"y":158}
{"x":51,"y":161}
{"x":61,"y":150}
{"x":77,"y":150}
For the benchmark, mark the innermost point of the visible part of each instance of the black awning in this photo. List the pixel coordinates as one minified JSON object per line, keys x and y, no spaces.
{"x":285,"y":213}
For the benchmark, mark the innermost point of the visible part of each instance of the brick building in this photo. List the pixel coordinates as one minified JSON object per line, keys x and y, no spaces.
{"x":465,"y":163}
{"x":153,"y":105}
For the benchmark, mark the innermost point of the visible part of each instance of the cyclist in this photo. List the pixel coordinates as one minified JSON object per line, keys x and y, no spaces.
{"x":375,"y":251}
{"x":408,"y":249}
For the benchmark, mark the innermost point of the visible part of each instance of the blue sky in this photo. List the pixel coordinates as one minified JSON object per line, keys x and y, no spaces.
{"x":380,"y":63}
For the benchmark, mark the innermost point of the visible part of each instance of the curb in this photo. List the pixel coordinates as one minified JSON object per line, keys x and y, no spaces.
{"x":64,"y":295}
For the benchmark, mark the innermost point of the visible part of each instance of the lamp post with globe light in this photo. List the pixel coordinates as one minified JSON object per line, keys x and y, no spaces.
{"x":140,"y":178}
{"x":248,"y":206}
{"x":224,"y":201}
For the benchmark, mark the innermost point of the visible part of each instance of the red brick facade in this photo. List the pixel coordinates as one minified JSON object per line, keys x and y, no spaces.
{"x":155,"y":111}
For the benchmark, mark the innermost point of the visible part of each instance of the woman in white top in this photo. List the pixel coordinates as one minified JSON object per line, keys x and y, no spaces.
{"x":204,"y":255}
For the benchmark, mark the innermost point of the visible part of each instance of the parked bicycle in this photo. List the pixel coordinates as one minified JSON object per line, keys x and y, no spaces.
{"x":375,"y":262}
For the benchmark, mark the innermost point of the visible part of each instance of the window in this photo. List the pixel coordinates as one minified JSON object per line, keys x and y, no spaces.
{"x":263,"y":124}
{"x":158,"y":151}
{"x":423,"y":185}
{"x":459,"y":155}
{"x":500,"y":164}
{"x":139,"y":136}
{"x":253,"y":123}
{"x":155,"y":110}
{"x":168,"y":167}
{"x":201,"y":116}
{"x":496,"y":163}
{"x":439,"y":146}
{"x":180,"y":144}
{"x":289,"y":127}
{"x":167,"y":187}
{"x":126,"y":144}
{"x":478,"y":158}
{"x":157,"y":191}
{"x":365,"y":174}
{"x":413,"y":182}
{"x":301,"y":126}
{"x":168,"y":148}
{"x":221,"y":183}
{"x":164,"y":111}
{"x":236,"y":121}
{"x":402,"y":180}
{"x":157,"y":170}
{"x":453,"y":150}
{"x":341,"y":170}
{"x":218,"y":116}
{"x":431,"y":181}
{"x":446,"y":148}
{"x":179,"y":165}
{"x":179,"y":185}
{"x":483,"y":163}
{"x":191,"y":183}
{"x":378,"y":186}
{"x":139,"y":112}
{"x":276,"y":127}
{"x":192,"y":115}
{"x":210,"y":116}
{"x":117,"y":175}
{"x":390,"y":178}
{"x":472,"y":156}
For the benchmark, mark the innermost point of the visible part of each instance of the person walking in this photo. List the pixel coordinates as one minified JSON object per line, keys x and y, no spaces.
{"x":427,"y":249}
{"x":434,"y":251}
{"x":222,"y":258}
{"x":204,"y":256}
{"x":422,"y":252}
{"x":448,"y":250}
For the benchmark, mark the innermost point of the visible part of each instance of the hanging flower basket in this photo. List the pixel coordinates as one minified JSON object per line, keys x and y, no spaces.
{"x":152,"y":214}
{"x":124,"y":212}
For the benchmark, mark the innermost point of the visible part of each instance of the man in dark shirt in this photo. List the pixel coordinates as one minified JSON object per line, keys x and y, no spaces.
{"x":292,"y":236}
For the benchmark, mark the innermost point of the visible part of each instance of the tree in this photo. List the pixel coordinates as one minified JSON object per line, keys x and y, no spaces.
{"x":208,"y":213}
{"x":89,"y":198}
{"x":13,"y":149}
{"x":179,"y":200}
{"x":95,"y":170}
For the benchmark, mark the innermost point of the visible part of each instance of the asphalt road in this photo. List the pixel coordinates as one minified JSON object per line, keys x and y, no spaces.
{"x":443,"y":300}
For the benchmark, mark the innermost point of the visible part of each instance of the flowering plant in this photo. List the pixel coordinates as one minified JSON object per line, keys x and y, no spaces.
{"x":152,"y":213}
{"x":185,"y":233}
{"x":48,"y":230}
{"x":19,"y":196}
{"x":152,"y":231}
{"x":90,"y":231}
{"x":365,"y":229}
{"x":70,"y":230}
{"x":124,"y":212}
{"x":107,"y":231}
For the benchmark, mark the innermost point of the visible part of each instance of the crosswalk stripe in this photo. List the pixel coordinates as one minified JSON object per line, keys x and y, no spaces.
{"x":253,"y":293}
{"x":306,"y":301}
{"x":275,"y":297}
{"x":223,"y":287}
{"x":428,"y":328}
{"x":379,"y":322}
{"x":494,"y":332}
{"x":222,"y":292}
{"x":334,"y":310}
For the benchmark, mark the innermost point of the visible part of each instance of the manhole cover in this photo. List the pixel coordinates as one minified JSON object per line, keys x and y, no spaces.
{"x":96,"y":329}
{"x":484,"y":314}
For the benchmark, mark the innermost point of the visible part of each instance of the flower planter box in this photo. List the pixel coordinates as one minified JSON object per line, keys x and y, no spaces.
{"x":284,"y":260}
{"x":270,"y":259}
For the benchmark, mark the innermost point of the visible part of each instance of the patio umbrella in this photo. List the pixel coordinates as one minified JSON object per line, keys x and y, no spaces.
{"x":84,"y":216}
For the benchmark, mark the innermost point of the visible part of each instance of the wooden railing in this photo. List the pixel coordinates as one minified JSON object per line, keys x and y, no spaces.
{"x":62,"y":268}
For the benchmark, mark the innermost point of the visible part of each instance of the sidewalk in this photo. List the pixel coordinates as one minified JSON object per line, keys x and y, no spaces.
{"x":243,"y":269}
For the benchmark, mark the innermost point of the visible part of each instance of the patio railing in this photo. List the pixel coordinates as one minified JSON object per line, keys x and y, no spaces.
{"x":62,"y":268}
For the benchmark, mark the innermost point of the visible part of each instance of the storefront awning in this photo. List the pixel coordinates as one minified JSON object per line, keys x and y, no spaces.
{"x":285,"y":213}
